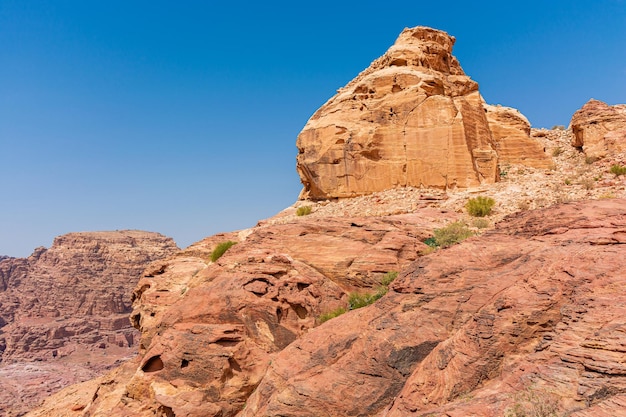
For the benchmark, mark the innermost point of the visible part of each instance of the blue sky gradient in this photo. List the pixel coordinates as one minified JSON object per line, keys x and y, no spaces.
{"x":182,"y":118}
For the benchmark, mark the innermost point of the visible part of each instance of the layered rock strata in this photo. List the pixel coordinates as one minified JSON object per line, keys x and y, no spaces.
{"x":599,"y":129}
{"x":210,"y":330}
{"x":64,"y":311}
{"x":412,"y":118}
{"x":528,"y":316}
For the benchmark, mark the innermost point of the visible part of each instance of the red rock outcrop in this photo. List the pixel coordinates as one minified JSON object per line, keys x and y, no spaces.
{"x":64,"y":311}
{"x":412,"y":118}
{"x":209,"y":330}
{"x":599,"y":129}
{"x":529,"y":315}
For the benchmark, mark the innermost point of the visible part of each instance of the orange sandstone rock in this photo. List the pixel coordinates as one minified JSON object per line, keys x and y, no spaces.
{"x":412,"y":118}
{"x":599,"y":129}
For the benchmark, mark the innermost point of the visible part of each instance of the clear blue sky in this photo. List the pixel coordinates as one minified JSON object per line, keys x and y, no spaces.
{"x":181,"y":116}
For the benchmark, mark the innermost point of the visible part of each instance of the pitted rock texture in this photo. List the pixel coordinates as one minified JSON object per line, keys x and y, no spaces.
{"x":68,"y":306}
{"x":210,"y":330}
{"x":599,"y":129}
{"x":413,"y":118}
{"x":529,"y":315}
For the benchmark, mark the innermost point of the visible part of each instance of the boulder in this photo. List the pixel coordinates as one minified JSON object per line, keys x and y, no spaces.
{"x":599,"y":129}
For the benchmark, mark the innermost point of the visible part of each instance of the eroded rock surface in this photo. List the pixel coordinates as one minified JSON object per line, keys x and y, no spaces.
{"x":64,"y":311}
{"x":530,"y":314}
{"x":210,"y":330}
{"x":535,"y":307}
{"x":412,"y":118}
{"x":599,"y":129}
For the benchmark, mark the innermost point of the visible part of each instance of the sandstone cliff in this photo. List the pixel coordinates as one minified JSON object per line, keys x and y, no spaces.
{"x":599,"y":129}
{"x":66,"y":308}
{"x":412,"y":118}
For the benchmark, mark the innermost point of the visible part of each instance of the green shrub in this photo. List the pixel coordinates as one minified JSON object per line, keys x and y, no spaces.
{"x":358,"y":300}
{"x":388,"y":278}
{"x":480,"y":223}
{"x":332,"y":314}
{"x":220,"y":249}
{"x":449,"y":235}
{"x":303,"y":211}
{"x":480,"y":206}
{"x":618,"y":170}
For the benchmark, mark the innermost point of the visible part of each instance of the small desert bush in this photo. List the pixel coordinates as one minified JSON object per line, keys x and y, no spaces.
{"x":388,"y":278}
{"x":332,"y":314}
{"x":480,"y":206}
{"x":591,"y":159}
{"x":303,"y":211}
{"x":534,"y":403}
{"x":449,"y":235}
{"x":588,"y":183}
{"x":480,"y":223}
{"x":220,"y":249}
{"x":358,"y":299}
{"x":557,"y":151}
{"x":618,"y":170}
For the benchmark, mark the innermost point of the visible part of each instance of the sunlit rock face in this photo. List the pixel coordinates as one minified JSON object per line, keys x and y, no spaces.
{"x":599,"y":129}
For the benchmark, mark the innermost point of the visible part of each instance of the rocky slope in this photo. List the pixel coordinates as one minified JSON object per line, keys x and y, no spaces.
{"x":527,"y":319}
{"x":413,"y":118}
{"x":64,"y":311}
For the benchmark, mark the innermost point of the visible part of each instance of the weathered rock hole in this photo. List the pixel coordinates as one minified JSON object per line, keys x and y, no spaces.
{"x":184,"y":363}
{"x":153,"y":364}
{"x":137,"y":294}
{"x":135,"y":319}
{"x":396,"y":88}
{"x":164,"y":411}
{"x":302,"y":285}
{"x":234,"y":365}
{"x":398,"y":62}
{"x":300,"y":311}
{"x":340,"y":142}
{"x":372,"y":155}
{"x":279,"y":314}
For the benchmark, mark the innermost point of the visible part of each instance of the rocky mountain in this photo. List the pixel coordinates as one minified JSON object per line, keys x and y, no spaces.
{"x":64,"y":311}
{"x":524,"y":318}
{"x":412,"y":118}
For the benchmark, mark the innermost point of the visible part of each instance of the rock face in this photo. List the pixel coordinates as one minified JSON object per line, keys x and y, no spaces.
{"x":413,"y":118}
{"x":64,"y":311}
{"x":210,"y":330}
{"x":529,"y":315}
{"x":599,"y":129}
{"x":510,"y":131}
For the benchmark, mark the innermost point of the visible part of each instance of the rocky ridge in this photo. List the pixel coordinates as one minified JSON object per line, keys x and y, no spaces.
{"x":64,"y":311}
{"x":526,"y":318}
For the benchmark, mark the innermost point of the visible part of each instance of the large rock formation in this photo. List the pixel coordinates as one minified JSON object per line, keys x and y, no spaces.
{"x":599,"y":129}
{"x":64,"y":311}
{"x":209,"y":330}
{"x":528,"y":316}
{"x":413,"y":118}
{"x":510,"y":131}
